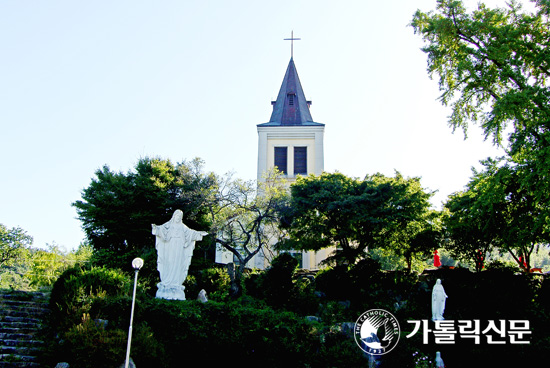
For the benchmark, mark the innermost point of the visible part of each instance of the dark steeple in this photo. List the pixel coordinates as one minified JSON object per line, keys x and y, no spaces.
{"x":291,"y":106}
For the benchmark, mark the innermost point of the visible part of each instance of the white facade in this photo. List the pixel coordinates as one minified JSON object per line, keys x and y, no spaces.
{"x":311,"y":137}
{"x":270,"y":137}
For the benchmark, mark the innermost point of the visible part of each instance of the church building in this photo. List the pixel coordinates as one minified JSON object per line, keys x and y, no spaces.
{"x":292,"y":142}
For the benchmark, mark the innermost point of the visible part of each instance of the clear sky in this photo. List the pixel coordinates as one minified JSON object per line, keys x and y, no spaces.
{"x":90,"y":83}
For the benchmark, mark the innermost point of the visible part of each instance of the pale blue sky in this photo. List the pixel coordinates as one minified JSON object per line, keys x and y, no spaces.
{"x":84,"y":84}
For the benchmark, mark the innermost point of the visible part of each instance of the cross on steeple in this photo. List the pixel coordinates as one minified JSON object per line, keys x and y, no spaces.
{"x":291,"y":39}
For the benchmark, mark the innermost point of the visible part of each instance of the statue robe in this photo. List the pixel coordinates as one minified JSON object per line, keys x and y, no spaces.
{"x":439,"y":298}
{"x":175,"y":243}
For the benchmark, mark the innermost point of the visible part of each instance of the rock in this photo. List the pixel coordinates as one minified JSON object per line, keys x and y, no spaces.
{"x":202,"y":296}
{"x":399,"y":305}
{"x":346,"y":328}
{"x":101,"y":323}
{"x":345,"y":303}
{"x":319,"y":294}
{"x":313,"y":319}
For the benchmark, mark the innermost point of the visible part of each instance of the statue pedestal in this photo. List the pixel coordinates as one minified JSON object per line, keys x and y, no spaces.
{"x":171,"y":292}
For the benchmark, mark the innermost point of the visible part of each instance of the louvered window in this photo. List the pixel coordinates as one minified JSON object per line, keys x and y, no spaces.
{"x":291,"y":99}
{"x":281,"y":154}
{"x":300,"y":160}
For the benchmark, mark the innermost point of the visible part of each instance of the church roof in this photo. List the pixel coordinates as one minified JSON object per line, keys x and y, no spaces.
{"x":291,"y":106}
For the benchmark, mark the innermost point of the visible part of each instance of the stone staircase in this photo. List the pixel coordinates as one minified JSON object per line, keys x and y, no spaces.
{"x":21,"y":316}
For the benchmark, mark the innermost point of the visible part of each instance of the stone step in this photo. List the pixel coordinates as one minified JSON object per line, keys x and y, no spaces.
{"x":17,"y":304}
{"x":19,"y":364}
{"x":26,"y":343}
{"x":19,"y":328}
{"x":22,"y":314}
{"x":16,"y":301}
{"x":25,"y":295}
{"x":28,"y":309}
{"x":16,"y":335}
{"x":17,"y":360}
{"x":16,"y":319}
{"x":21,"y":317}
{"x":19,"y":350}
{"x":9,"y":329}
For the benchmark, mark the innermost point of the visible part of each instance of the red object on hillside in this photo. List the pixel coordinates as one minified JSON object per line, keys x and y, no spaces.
{"x":437,"y":262}
{"x":480,"y":259}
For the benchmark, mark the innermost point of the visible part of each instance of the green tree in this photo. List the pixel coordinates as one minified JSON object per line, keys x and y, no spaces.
{"x":355,"y":215}
{"x":494,"y":68}
{"x":415,"y":228}
{"x":46,"y":265}
{"x":117,"y":209}
{"x":467,"y":239}
{"x":497,"y":211}
{"x":245,"y":219}
{"x":13,"y":242}
{"x":14,"y":258}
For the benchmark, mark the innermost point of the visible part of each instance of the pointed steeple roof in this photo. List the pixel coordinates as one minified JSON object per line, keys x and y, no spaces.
{"x":291,"y":106}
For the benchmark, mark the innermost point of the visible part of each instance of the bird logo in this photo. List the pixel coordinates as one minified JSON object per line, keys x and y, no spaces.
{"x":377,"y":331}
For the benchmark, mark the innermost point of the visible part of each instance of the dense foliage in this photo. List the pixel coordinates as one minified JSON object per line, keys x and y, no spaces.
{"x":493,"y":67}
{"x":168,"y":331}
{"x":245,"y":219}
{"x":91,"y":309}
{"x":117,"y":209}
{"x":13,"y":242}
{"x":495,"y":212}
{"x":494,"y":70}
{"x":333,"y":210}
{"x":24,"y":267}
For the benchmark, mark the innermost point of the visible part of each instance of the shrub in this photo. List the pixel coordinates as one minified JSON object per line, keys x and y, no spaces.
{"x":89,"y":345}
{"x":146,"y":350}
{"x":502,"y":266}
{"x":214,"y":280}
{"x":359,"y":283}
{"x":76,"y":289}
{"x":254,"y":333}
{"x":335,"y":283}
{"x":277,"y":285}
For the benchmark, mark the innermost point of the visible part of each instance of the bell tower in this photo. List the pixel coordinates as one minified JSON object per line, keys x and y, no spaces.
{"x":291,"y":140}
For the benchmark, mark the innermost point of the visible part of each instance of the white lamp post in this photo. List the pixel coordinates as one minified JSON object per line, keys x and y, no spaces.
{"x":137,"y":263}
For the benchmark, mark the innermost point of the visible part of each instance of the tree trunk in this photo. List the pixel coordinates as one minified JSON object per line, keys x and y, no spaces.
{"x":408,"y":259}
{"x":235,"y":276}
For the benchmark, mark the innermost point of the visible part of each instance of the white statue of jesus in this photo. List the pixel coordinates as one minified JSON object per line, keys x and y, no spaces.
{"x":175,"y":243}
{"x":438,"y":301}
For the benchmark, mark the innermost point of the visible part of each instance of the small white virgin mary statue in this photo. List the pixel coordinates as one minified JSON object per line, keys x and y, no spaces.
{"x":175,"y":243}
{"x":438,"y":360}
{"x":438,"y":301}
